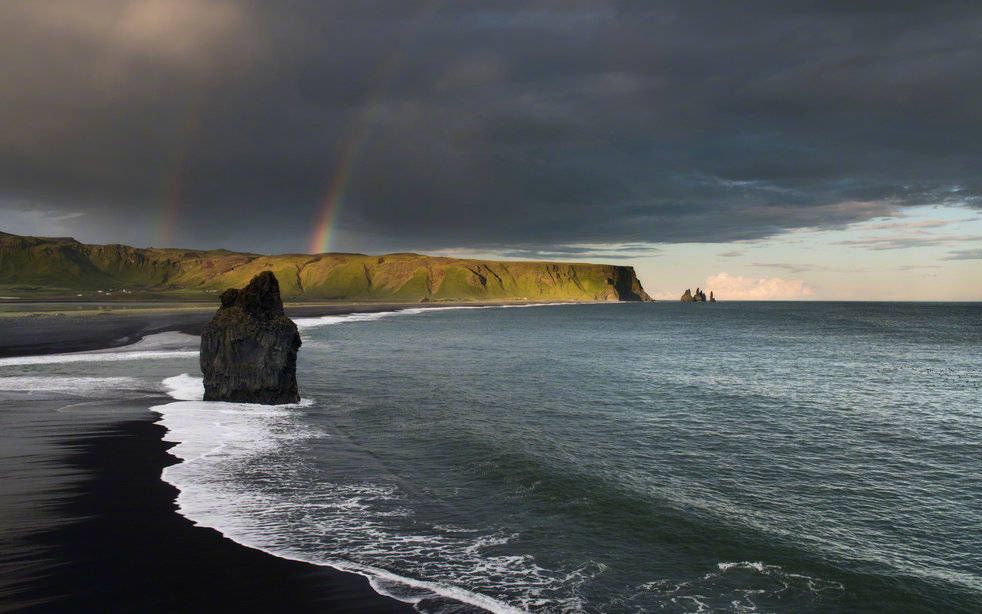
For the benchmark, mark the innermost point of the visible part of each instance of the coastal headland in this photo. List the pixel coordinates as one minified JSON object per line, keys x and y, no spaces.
{"x":63,"y":268}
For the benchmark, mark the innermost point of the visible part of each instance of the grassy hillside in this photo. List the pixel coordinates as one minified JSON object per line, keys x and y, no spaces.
{"x":32,"y":265}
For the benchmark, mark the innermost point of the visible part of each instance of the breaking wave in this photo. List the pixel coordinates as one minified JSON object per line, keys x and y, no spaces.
{"x":219,"y":444}
{"x":305,"y":323}
{"x":152,"y":347}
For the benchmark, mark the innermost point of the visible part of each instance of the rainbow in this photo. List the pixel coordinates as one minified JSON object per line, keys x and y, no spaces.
{"x":173,"y":181}
{"x":320,"y":240}
{"x":171,"y":207}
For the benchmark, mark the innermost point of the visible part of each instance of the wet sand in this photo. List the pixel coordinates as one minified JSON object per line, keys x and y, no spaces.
{"x":94,"y":528}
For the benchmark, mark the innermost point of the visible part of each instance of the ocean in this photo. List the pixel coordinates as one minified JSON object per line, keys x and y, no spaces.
{"x":633,"y":457}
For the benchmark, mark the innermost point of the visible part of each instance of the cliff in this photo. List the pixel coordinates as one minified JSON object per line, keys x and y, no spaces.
{"x":52,"y":265}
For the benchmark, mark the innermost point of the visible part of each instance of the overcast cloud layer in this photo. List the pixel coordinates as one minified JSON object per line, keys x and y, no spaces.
{"x":514,"y":126}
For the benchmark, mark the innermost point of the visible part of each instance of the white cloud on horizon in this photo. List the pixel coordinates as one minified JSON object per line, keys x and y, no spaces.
{"x":736,"y":287}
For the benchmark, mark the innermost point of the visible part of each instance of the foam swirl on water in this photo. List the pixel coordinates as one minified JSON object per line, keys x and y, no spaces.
{"x":218,"y":443}
{"x":152,"y":347}
{"x":66,"y":384}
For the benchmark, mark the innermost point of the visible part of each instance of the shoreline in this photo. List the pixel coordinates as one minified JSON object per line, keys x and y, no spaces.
{"x":112,"y":538}
{"x":64,"y":332}
{"x":118,"y":543}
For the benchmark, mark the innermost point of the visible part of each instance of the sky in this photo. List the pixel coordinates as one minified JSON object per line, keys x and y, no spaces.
{"x":765,"y":150}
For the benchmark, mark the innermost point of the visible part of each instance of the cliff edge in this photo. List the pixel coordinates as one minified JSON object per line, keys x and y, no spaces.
{"x":37,"y":265}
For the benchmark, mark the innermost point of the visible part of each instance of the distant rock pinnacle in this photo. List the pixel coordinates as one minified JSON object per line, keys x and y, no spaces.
{"x":698,"y":297}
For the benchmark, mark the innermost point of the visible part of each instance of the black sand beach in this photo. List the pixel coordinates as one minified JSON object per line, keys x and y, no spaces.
{"x":128,"y":550}
{"x":24,"y":332}
{"x":87,"y":524}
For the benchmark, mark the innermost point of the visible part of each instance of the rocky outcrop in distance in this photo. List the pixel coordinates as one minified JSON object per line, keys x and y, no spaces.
{"x":698,"y":297}
{"x":249,"y":349}
{"x":65,"y":267}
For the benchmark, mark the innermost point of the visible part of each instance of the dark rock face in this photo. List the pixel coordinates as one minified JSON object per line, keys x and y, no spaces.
{"x":698,"y":297}
{"x":627,"y":285}
{"x":712,"y":299}
{"x":249,"y":349}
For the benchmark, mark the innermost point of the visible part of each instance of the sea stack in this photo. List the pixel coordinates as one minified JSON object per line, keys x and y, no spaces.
{"x":698,"y":297}
{"x":249,"y":349}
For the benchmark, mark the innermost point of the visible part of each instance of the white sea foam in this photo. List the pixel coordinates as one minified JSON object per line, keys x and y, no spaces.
{"x":75,"y":385}
{"x":152,"y":347}
{"x":750,"y":565}
{"x":784,"y":577}
{"x":185,"y":387}
{"x":222,"y":444}
{"x":170,"y":340}
{"x":761,"y":582}
{"x":304,"y":323}
{"x":54,"y":359}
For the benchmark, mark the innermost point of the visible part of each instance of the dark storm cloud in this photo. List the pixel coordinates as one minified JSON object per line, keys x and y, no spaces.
{"x":522,"y":126}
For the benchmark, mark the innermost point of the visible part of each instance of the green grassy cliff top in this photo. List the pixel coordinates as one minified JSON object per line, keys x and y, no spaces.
{"x":33,"y":265}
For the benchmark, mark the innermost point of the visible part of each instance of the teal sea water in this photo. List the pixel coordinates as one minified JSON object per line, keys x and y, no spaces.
{"x":773,"y":457}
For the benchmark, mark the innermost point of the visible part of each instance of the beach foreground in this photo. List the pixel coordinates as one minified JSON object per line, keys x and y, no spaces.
{"x":87,"y":524}
{"x":116,"y":543}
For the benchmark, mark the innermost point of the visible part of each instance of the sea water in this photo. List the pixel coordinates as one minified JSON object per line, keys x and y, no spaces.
{"x":777,"y":457}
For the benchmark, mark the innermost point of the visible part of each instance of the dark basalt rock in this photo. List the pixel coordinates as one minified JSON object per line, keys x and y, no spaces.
{"x":249,"y":349}
{"x":698,"y":297}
